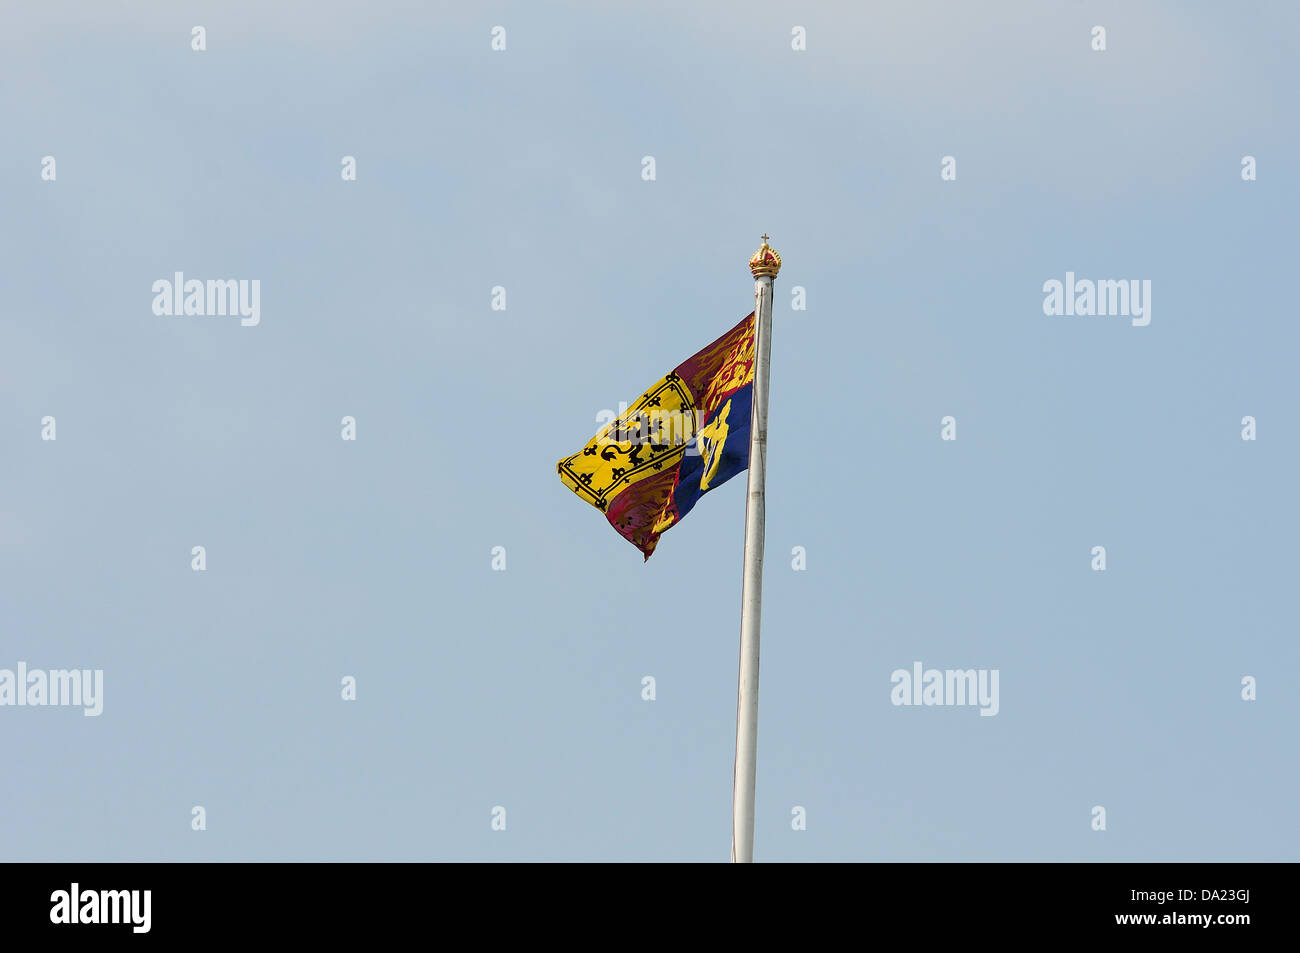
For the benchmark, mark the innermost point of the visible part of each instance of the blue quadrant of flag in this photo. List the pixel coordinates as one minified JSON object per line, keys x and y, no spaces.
{"x":717,"y":452}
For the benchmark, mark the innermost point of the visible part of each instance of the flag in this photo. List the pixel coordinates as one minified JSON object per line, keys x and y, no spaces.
{"x":685,"y":436}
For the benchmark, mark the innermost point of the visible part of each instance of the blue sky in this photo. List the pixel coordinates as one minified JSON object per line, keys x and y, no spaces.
{"x":522,"y":169}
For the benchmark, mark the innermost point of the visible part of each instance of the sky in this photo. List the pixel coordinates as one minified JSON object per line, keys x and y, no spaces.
{"x":521,"y":688}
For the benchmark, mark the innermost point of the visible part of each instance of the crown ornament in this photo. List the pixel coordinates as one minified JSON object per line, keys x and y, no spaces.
{"x":765,"y":261}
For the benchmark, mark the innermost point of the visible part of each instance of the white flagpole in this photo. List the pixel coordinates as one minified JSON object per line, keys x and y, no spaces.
{"x":765,"y":264}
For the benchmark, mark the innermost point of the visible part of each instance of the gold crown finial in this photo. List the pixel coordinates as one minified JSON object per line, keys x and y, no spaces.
{"x":765,"y":261}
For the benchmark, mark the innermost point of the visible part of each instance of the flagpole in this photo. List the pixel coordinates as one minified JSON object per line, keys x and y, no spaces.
{"x":764,"y":265}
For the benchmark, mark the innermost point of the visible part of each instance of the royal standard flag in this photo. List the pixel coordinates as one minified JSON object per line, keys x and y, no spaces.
{"x":687,"y":435}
